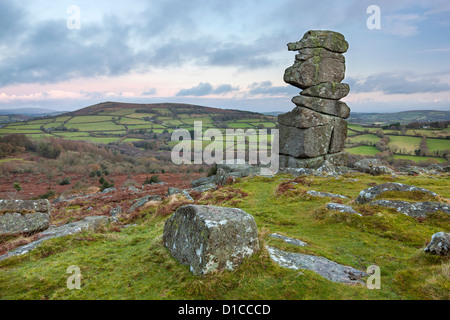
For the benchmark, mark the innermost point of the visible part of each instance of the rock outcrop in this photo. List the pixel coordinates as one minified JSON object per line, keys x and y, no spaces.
{"x":24,"y":216}
{"x":316,"y":128}
{"x":210,"y":238}
{"x":91,"y":222}
{"x":328,"y":269}
{"x":370,"y":194}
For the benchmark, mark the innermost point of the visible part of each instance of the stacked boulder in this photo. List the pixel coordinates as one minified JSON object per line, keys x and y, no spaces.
{"x":315,"y":130}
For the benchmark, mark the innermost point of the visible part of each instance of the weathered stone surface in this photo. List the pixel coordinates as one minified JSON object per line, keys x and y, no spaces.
{"x":24,"y":206}
{"x":330,"y":40}
{"x":322,"y":66}
{"x":342,"y":208}
{"x":64,"y":230}
{"x":372,"y":166}
{"x":115,"y":212}
{"x":304,"y":118}
{"x":413,"y":209}
{"x":210,"y":238}
{"x":326,"y":268}
{"x":321,"y":194}
{"x":204,"y":187}
{"x":336,"y":159}
{"x":108,"y":190}
{"x":325,"y":169}
{"x":15,"y":223}
{"x":303,"y":143}
{"x":24,"y":216}
{"x":326,"y":106}
{"x":370,"y":194}
{"x":202,"y":181}
{"x":327,"y":90}
{"x":338,"y":136}
{"x":439,"y":244}
{"x":295,"y":242}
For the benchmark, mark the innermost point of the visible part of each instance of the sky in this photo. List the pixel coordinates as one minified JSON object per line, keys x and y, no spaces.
{"x":66,"y":55}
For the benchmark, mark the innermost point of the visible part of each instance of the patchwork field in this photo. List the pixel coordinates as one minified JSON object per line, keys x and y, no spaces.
{"x":121,"y":123}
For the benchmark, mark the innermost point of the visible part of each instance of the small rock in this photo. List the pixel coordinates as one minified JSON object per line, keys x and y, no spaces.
{"x":439,"y":244}
{"x":117,"y":211}
{"x":140,"y":202}
{"x":372,"y":166}
{"x":342,"y":208}
{"x":325,"y":194}
{"x":107,"y":190}
{"x":295,"y":242}
{"x":202,"y":181}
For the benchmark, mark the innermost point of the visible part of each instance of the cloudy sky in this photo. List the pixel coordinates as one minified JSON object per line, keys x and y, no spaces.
{"x":219,"y":53}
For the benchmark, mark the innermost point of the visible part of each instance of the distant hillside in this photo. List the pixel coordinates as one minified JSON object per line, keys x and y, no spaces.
{"x":404,"y":117}
{"x":29,"y":112}
{"x":115,"y":107}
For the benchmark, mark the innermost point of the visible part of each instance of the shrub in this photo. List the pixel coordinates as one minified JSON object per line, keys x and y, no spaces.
{"x":65,"y":182}
{"x":152,"y":179}
{"x":212,"y":171}
{"x":17,"y":186}
{"x":49,"y":194}
{"x":102,"y":180}
{"x":106,"y":185}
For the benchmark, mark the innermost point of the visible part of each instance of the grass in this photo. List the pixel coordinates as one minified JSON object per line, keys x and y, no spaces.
{"x":133,"y":263}
{"x":438,"y":144}
{"x":365,"y":137}
{"x":417,"y":158}
{"x":408,"y":143}
{"x":363,"y":150}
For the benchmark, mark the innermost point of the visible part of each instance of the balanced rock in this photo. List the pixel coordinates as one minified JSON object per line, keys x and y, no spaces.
{"x":314,"y":66}
{"x":304,"y":118}
{"x":315,"y":128}
{"x":326,"y":106}
{"x":305,"y":143}
{"x":330,"y":40}
{"x":210,"y":238}
{"x":327,"y":90}
{"x":23,"y":216}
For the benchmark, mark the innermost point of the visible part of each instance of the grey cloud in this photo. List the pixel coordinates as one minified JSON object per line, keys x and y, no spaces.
{"x":205,"y":88}
{"x":391,"y":83}
{"x":149,"y":92}
{"x":266,"y":88}
{"x":202,"y":89}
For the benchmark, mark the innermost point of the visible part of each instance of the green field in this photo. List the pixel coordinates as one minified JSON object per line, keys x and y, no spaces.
{"x":407,"y":143}
{"x":417,"y":158}
{"x":438,"y":144}
{"x":363,"y":150}
{"x":364,"y":137}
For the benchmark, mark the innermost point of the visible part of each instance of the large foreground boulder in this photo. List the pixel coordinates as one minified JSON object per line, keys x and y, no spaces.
{"x":210,"y":238}
{"x":24,"y":216}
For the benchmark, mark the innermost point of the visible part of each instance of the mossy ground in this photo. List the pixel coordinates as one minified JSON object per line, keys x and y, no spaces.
{"x":133,"y":263}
